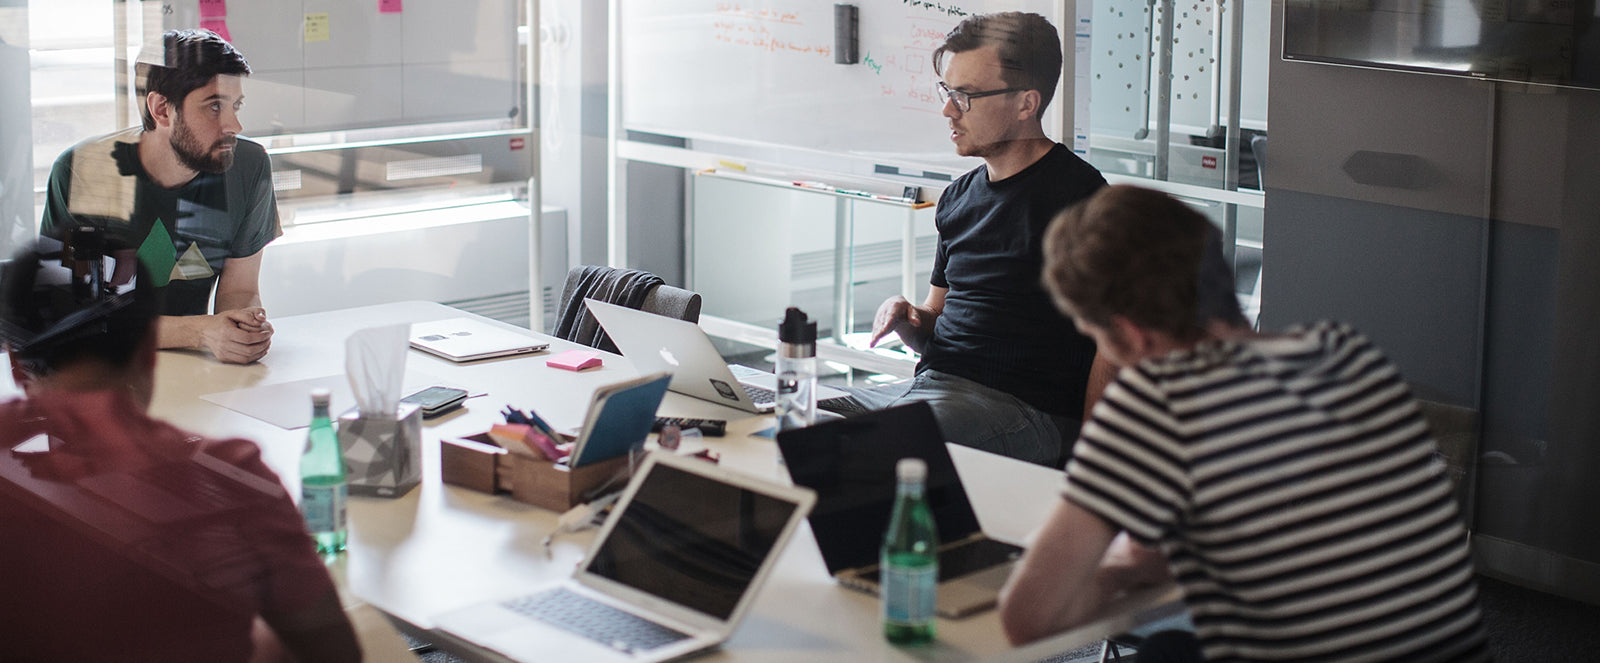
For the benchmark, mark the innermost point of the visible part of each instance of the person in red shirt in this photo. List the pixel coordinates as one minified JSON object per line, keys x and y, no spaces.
{"x":123,"y":537}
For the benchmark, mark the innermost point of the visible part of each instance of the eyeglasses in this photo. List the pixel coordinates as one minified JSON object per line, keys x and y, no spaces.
{"x":964,"y":99}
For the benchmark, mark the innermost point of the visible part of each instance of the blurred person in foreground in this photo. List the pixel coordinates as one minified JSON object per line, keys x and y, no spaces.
{"x":1288,"y":482}
{"x":125,"y":538}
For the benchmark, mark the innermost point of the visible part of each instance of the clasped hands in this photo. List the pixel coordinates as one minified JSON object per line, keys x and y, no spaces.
{"x":238,"y":336}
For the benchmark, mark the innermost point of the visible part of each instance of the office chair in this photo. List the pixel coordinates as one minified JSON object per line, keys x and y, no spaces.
{"x":1258,"y":147}
{"x":632,"y":288}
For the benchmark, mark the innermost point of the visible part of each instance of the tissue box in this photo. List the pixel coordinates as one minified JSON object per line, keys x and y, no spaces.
{"x":476,"y":462}
{"x":382,"y":455}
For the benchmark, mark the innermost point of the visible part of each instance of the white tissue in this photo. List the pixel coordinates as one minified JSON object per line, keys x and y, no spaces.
{"x":375,"y":363}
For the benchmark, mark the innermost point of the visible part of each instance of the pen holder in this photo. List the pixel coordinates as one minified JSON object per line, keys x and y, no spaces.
{"x":383,"y":454}
{"x":557,"y":487}
{"x":477,"y":463}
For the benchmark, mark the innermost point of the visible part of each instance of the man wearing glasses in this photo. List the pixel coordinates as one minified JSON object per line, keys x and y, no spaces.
{"x":1002,"y":369}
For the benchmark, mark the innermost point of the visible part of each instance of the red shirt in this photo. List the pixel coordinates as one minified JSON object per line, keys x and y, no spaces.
{"x":124,"y":538}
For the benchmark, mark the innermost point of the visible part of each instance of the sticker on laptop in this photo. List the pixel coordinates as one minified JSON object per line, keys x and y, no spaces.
{"x":723,"y":389}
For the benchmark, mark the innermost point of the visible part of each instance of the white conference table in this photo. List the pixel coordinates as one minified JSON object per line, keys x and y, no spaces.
{"x":441,"y":547}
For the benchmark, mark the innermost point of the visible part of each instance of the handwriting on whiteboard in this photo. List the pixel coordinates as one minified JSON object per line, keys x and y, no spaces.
{"x":947,"y":8}
{"x":745,"y":27}
{"x":760,"y":14}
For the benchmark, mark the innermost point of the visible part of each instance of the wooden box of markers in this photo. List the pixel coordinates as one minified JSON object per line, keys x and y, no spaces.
{"x":477,"y":463}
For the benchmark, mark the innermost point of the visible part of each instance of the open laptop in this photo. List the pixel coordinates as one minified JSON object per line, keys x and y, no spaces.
{"x":198,"y":486}
{"x":672,"y":571}
{"x":659,"y":343}
{"x":850,"y":463}
{"x":465,"y":339}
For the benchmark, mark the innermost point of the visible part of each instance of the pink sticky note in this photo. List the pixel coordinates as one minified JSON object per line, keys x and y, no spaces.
{"x":575,"y":360}
{"x":213,"y":9}
{"x":388,"y":6}
{"x":217,"y":25}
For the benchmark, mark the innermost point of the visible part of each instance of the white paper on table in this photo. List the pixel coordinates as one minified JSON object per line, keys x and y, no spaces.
{"x":287,"y":405}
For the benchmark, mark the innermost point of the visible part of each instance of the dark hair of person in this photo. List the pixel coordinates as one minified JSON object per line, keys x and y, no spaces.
{"x":1143,"y":255}
{"x":1029,"y":48}
{"x":112,"y":334}
{"x":192,"y":58}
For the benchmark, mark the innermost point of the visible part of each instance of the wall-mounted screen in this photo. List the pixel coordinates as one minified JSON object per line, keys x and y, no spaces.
{"x":1544,"y":42}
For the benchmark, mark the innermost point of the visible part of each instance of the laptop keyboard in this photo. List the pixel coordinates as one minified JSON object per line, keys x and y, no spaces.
{"x":200,"y":487}
{"x":759,"y":395}
{"x":839,"y":404}
{"x":594,"y":620}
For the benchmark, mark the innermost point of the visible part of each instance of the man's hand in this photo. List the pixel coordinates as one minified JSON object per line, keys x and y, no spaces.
{"x":900,"y":316}
{"x":239,"y":336}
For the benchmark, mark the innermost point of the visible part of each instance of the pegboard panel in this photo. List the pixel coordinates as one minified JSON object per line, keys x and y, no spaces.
{"x":1119,"y":62}
{"x":1122,"y":53}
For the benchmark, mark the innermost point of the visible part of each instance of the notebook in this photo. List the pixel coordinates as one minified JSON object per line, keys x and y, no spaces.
{"x":851,"y":465}
{"x":671,"y":572}
{"x":659,"y":343}
{"x":466,"y":339}
{"x":620,"y":416}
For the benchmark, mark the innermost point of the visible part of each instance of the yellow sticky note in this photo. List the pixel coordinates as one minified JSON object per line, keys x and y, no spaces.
{"x":317,"y":27}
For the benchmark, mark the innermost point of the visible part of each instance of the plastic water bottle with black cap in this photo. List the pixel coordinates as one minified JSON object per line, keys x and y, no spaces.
{"x":796,"y":404}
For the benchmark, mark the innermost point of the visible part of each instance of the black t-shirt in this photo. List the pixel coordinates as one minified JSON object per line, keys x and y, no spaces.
{"x":999,"y":327}
{"x":184,"y":235}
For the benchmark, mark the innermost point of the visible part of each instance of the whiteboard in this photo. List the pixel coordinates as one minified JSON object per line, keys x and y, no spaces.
{"x":762,"y":72}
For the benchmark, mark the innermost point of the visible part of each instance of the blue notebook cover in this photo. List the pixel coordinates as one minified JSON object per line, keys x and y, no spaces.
{"x":619,"y":418}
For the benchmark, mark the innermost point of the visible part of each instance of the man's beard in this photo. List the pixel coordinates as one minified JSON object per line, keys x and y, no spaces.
{"x":197,"y":157}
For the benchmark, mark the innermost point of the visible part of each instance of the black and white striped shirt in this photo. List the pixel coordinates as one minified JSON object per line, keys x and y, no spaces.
{"x":1293,"y":484}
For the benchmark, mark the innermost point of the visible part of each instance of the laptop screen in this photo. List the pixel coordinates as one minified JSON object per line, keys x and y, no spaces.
{"x":692,"y":540}
{"x":850,"y":463}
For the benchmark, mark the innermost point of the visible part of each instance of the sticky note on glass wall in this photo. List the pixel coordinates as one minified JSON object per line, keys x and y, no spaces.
{"x":217,"y":25}
{"x":388,"y":6}
{"x":213,"y":9}
{"x":317,"y":27}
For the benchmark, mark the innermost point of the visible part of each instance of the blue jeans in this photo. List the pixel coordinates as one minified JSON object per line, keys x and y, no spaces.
{"x":980,"y":417}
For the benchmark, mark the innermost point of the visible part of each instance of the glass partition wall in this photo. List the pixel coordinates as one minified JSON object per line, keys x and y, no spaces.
{"x":402,"y":146}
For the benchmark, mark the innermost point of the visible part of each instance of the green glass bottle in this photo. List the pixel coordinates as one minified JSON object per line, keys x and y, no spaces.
{"x":323,"y":489}
{"x":909,"y":564}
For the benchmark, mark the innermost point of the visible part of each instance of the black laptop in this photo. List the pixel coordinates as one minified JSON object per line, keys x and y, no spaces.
{"x":850,"y":464}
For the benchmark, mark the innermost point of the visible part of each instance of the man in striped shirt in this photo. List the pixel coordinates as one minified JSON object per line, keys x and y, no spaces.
{"x":1288,"y":482}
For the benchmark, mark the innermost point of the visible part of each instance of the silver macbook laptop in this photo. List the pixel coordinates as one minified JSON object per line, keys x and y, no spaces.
{"x":465,"y":339}
{"x":671,"y":572}
{"x":656,"y":343}
{"x":850,"y":463}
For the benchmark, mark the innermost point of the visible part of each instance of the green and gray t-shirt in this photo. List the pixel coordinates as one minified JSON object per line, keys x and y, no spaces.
{"x":183,"y":235}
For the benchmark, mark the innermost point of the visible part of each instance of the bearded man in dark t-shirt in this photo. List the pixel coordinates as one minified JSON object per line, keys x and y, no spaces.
{"x":1003,"y":371}
{"x":192,"y":198}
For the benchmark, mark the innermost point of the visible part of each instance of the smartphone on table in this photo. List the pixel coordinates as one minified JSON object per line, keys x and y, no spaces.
{"x":435,"y":401}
